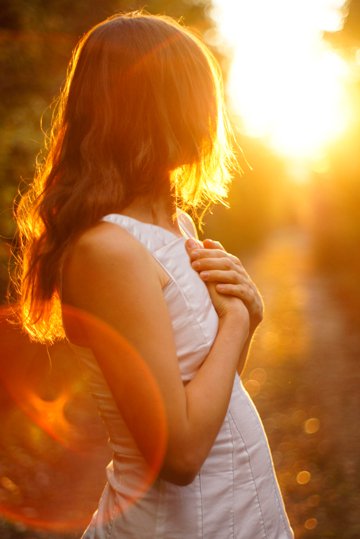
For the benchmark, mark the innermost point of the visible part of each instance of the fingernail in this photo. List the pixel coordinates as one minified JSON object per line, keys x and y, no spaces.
{"x":204,"y":274}
{"x":191,"y":243}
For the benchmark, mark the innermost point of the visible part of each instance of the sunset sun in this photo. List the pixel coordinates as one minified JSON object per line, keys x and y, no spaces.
{"x":286,"y":84}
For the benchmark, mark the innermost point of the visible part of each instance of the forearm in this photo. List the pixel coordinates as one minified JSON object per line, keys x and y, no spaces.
{"x":245,"y":352}
{"x":208,"y":395}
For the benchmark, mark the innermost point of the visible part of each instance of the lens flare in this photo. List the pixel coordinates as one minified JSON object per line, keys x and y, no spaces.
{"x":311,"y":425}
{"x":53,"y":443}
{"x":285,"y":83}
{"x":303,"y":477}
{"x":311,"y":523}
{"x":116,"y":346}
{"x":37,"y":384}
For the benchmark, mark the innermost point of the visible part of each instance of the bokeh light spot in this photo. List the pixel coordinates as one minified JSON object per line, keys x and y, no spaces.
{"x":8,"y":484}
{"x":310,"y":524}
{"x":303,"y":477}
{"x":259,"y":375}
{"x":311,"y":425}
{"x":252,"y":387}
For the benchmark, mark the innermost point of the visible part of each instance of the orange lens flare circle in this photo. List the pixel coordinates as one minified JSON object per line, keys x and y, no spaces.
{"x":34,"y":377}
{"x":124,"y":357}
{"x":51,"y":440}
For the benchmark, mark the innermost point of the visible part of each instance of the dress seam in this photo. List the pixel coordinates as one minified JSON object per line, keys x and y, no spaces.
{"x":233,"y":482}
{"x":252,"y":476}
{"x":201,"y":509}
{"x":275,"y":487}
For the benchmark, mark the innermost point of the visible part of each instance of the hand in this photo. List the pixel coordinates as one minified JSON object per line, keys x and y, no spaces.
{"x":224,"y":304}
{"x":226,"y":274}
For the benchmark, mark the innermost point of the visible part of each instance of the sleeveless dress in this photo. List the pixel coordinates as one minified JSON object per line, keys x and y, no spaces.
{"x":235,"y":495}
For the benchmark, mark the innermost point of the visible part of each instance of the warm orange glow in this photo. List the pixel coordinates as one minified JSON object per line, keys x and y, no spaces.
{"x":50,"y":416}
{"x":61,"y":526}
{"x":118,"y":347}
{"x":256,"y":381}
{"x":311,"y":425}
{"x":286,"y":84}
{"x":310,"y":523}
{"x":303,"y":477}
{"x":47,"y":419}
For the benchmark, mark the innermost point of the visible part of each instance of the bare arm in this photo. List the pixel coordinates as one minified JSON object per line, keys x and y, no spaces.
{"x":110,"y":275}
{"x":244,"y":353}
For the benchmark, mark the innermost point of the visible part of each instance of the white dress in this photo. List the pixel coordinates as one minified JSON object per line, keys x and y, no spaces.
{"x":235,"y":495}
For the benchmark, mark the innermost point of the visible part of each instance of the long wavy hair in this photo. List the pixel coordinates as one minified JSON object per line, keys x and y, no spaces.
{"x":142,"y":105}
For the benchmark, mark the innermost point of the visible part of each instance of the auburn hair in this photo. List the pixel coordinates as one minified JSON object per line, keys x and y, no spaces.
{"x":142,"y":105}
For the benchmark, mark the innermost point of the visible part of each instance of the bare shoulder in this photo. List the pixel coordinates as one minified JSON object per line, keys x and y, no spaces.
{"x":188,"y":223}
{"x":100,"y":255}
{"x":107,"y":240}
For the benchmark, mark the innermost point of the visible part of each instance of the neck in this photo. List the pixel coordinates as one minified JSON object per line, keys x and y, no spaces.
{"x":160,"y":211}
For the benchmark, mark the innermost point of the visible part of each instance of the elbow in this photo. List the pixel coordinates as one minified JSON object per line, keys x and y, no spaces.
{"x":180,"y":470}
{"x":181,"y":479}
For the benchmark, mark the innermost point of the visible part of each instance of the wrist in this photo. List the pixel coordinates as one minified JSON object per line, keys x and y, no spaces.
{"x":236,"y":320}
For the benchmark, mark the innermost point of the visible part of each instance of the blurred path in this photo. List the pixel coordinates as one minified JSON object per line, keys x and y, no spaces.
{"x":303,"y":375}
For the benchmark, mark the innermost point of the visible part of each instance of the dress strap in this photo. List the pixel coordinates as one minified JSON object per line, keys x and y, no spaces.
{"x":187,"y":224}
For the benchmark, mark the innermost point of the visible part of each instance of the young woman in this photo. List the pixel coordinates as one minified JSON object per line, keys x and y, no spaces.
{"x":140,"y":133}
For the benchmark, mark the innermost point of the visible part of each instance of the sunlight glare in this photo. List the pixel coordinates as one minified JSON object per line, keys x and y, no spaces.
{"x":285,"y":82}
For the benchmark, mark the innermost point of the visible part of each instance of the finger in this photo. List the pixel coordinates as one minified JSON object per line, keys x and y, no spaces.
{"x":244,"y":292}
{"x":220,"y":276}
{"x":212,"y":253}
{"x":211,"y":244}
{"x":223,"y":263}
{"x":191,"y":244}
{"x":211,"y":264}
{"x":206,"y":253}
{"x":236,"y":288}
{"x":230,"y":289}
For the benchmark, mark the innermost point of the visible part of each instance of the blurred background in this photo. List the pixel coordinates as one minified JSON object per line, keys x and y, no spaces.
{"x":292,"y":79}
